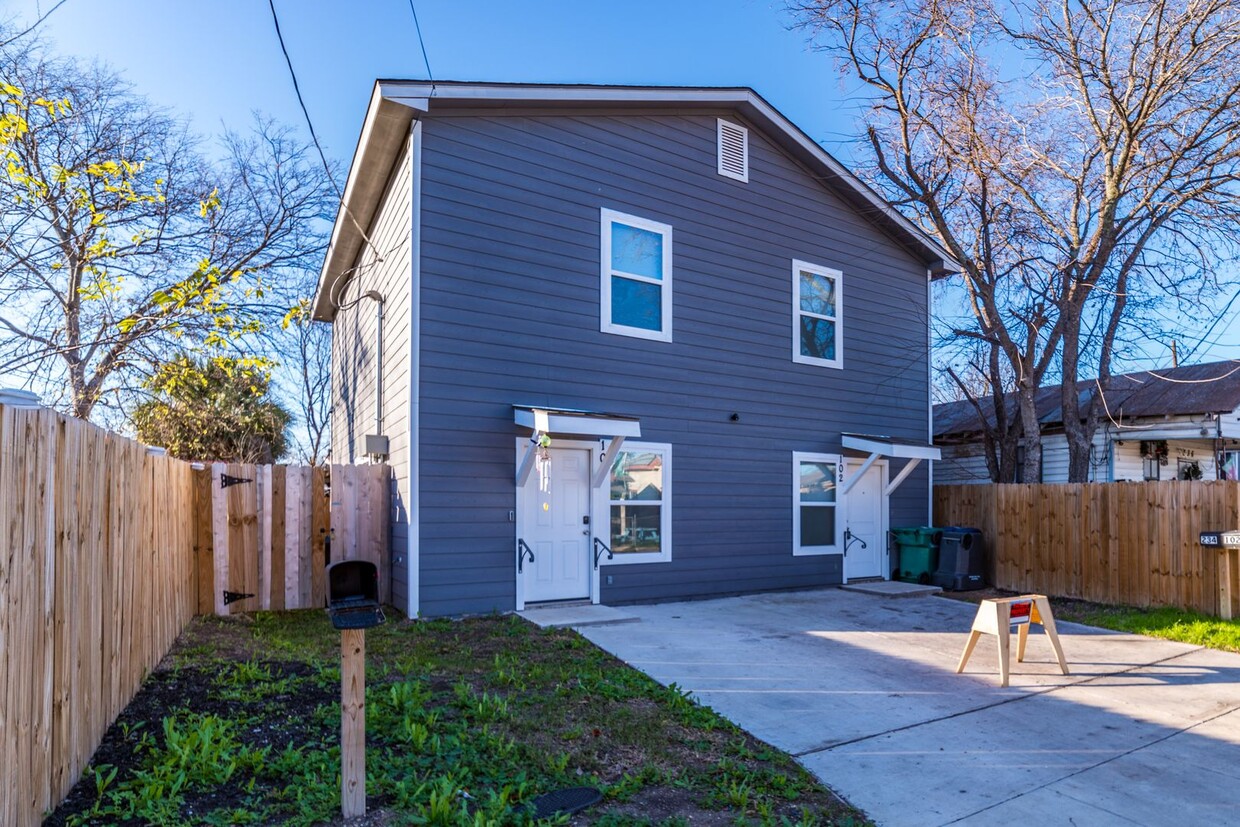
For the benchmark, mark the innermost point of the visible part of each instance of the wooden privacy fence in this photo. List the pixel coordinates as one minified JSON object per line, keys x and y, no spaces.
{"x":264,"y":531}
{"x":107,"y":549}
{"x":96,"y":581}
{"x":1125,"y":543}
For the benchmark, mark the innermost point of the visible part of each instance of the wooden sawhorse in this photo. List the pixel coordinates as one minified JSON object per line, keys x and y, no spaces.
{"x":994,"y":617}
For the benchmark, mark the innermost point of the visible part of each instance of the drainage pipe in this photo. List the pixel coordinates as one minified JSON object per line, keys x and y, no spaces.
{"x":377,"y":297}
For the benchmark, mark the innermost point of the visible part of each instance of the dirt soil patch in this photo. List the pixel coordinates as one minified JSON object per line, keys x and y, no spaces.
{"x":467,"y":722}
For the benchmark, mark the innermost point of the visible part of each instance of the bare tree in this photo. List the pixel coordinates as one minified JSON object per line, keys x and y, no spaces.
{"x":304,"y":351}
{"x":1078,"y":159}
{"x":121,"y":243}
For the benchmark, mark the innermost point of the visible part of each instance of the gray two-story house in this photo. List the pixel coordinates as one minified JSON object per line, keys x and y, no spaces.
{"x":623,"y":344}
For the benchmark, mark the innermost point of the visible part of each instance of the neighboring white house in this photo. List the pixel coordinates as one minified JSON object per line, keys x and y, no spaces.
{"x":1178,"y":423}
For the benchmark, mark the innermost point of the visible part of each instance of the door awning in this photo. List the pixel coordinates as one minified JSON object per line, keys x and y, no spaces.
{"x":566,"y":422}
{"x":885,"y":446}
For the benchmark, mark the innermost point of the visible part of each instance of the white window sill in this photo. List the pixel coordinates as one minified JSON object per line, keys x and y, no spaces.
{"x":634,"y":558}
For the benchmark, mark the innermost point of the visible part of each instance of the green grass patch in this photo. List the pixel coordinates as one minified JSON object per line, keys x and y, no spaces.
{"x":1170,"y":624}
{"x":466,"y":722}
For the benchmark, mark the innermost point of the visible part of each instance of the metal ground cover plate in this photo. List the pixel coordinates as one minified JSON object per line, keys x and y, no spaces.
{"x":565,"y":802}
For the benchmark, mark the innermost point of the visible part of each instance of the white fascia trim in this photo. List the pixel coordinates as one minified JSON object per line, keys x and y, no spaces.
{"x":735,"y":97}
{"x":815,"y":551}
{"x":416,"y":97}
{"x":463,"y":91}
{"x":874,"y":445}
{"x":578,"y":424}
{"x":606,"y":219}
{"x":344,"y":223}
{"x":829,"y":272}
{"x":875,"y":200}
{"x":413,"y":556}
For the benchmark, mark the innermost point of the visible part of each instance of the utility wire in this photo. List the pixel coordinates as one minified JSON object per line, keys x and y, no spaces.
{"x":20,"y":35}
{"x":313,"y":136}
{"x":429,"y":75}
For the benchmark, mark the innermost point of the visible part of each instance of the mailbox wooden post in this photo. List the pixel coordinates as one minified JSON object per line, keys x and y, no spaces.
{"x":353,"y":723}
{"x":353,"y":604}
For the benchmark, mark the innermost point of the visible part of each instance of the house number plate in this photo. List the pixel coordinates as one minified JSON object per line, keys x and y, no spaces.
{"x":1221,"y":539}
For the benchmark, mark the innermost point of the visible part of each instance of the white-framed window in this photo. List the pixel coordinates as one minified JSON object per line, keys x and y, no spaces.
{"x":733,"y":150}
{"x":815,"y":486}
{"x":817,"y":320}
{"x":636,"y":284}
{"x":640,"y":504}
{"x":1229,"y":464}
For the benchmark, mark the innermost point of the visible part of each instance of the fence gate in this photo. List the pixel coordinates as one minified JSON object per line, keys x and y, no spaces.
{"x":263,"y":532}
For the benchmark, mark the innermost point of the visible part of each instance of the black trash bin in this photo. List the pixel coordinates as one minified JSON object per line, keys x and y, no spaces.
{"x":962,"y":560}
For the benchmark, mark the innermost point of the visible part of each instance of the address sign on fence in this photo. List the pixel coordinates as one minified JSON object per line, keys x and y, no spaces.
{"x":1221,"y":539}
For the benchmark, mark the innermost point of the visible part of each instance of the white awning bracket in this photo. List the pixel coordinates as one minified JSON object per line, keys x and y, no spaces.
{"x":607,"y":459}
{"x":569,"y":423}
{"x":882,"y":446}
{"x":900,"y":477}
{"x":527,"y":461}
{"x":852,"y":479}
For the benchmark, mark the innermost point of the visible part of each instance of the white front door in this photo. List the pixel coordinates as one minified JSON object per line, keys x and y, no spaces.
{"x":865,"y":522}
{"x":556,"y":526}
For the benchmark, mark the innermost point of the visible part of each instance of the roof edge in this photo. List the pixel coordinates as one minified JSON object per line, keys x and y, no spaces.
{"x":383,"y":133}
{"x":394,"y":104}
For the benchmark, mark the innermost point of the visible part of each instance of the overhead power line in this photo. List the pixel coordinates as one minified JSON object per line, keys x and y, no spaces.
{"x":422,"y":45}
{"x":275,"y":18}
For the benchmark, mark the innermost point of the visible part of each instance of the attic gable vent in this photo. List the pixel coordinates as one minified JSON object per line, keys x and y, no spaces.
{"x":733,"y":150}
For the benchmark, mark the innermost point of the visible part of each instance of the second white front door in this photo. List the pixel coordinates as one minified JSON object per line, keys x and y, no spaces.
{"x":556,"y":527}
{"x":865,"y":523}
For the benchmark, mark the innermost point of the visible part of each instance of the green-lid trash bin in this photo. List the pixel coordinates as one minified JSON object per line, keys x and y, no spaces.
{"x":917,"y":549}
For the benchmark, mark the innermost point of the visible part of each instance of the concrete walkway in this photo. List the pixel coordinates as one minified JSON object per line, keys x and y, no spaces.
{"x":862,"y":690}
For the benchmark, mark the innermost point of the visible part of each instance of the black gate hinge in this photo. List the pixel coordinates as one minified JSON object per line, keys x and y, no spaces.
{"x":226,"y":480}
{"x":233,"y":597}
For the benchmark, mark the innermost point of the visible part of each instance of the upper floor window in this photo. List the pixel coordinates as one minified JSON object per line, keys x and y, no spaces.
{"x":817,"y":329}
{"x":636,"y":277}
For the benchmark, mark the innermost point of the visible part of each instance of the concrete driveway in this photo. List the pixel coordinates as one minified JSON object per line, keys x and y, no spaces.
{"x":862,"y":690}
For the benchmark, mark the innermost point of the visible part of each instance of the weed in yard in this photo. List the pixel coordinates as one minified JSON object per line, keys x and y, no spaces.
{"x":648,"y":775}
{"x":467,"y":721}
{"x":198,"y":752}
{"x":617,"y":820}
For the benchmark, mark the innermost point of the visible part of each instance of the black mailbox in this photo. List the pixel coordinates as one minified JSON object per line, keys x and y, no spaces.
{"x":353,"y":594}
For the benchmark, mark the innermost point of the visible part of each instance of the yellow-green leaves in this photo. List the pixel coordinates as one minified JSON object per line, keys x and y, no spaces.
{"x":211,"y":204}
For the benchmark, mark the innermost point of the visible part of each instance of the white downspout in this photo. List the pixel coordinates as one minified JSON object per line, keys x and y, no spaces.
{"x":377,"y":297}
{"x":930,"y":392}
{"x":413,"y":561}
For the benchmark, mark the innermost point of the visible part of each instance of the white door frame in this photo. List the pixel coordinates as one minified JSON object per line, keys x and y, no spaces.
{"x":598,"y":506}
{"x":851,"y":465}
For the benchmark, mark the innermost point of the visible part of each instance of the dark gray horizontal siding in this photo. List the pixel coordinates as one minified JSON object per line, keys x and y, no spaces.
{"x":510,"y":314}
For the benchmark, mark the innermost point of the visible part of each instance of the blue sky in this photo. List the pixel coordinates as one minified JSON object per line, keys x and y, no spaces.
{"x":218,"y":60}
